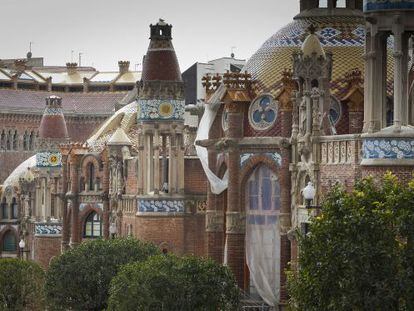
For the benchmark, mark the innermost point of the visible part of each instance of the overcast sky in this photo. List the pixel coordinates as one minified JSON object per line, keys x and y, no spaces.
{"x":106,"y":31}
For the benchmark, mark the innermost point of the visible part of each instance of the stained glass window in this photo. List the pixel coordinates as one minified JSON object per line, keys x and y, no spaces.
{"x":263,"y":113}
{"x":93,"y":226}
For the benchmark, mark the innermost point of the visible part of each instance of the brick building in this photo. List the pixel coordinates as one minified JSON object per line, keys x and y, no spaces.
{"x":89,"y":97}
{"x":310,"y":109}
{"x":302,"y":113}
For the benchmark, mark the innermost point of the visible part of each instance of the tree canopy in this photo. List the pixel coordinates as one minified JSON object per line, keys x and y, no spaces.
{"x":359,"y":254}
{"x":21,"y":285}
{"x":79,"y":279}
{"x":167,"y":282}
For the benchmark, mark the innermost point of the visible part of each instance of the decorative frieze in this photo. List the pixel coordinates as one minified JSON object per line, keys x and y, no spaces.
{"x":49,"y":159}
{"x":274,"y":156}
{"x":388,"y":148}
{"x":83,"y":206}
{"x":48,"y":229}
{"x":160,"y":206}
{"x":157,"y":109}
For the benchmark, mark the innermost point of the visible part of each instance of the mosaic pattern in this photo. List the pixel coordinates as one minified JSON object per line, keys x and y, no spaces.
{"x":83,"y":206}
{"x":388,"y":148}
{"x":155,"y":109}
{"x":48,"y":229}
{"x":48,"y":159}
{"x":160,"y":206}
{"x":375,"y":5}
{"x":275,"y":157}
{"x":52,"y":111}
{"x":341,"y":35}
{"x":263,"y":113}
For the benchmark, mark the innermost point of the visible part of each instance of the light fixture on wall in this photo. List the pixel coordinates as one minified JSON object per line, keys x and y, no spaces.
{"x":309,"y":193}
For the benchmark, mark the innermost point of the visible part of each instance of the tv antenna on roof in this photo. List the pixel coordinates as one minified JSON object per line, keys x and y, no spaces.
{"x":232,"y":51}
{"x":29,"y":54}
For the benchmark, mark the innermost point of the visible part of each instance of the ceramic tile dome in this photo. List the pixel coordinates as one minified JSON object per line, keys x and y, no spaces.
{"x":344,"y":36}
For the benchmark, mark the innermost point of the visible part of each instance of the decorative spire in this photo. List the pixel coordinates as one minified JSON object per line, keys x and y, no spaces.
{"x":53,"y":123}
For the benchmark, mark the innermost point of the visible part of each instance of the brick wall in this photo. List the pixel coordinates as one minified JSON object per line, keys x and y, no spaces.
{"x":195,"y":181}
{"x":404,"y":173}
{"x":178,"y":234}
{"x":344,"y":174}
{"x":45,"y":248}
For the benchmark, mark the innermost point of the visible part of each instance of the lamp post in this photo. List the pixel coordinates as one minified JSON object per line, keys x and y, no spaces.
{"x":309,"y":193}
{"x":112,"y":230}
{"x":22,"y":245}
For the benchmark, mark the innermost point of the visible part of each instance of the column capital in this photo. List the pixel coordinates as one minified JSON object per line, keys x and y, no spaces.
{"x":235,"y":223}
{"x":214,"y":221}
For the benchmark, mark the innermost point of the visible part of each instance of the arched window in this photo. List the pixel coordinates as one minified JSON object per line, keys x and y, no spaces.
{"x":25,"y":140}
{"x":93,"y":226}
{"x":4,"y":209}
{"x":9,"y":140}
{"x":15,"y":140}
{"x":14,"y":209}
{"x":262,"y":192}
{"x":9,"y":242}
{"x":91,"y":177}
{"x":3,"y":140}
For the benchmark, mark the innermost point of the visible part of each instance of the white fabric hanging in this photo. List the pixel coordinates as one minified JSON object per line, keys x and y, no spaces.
{"x":217,"y":184}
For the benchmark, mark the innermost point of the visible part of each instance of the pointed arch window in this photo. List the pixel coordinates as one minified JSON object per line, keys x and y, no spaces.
{"x":91,"y":177}
{"x":93,"y":226}
{"x":4,"y":209}
{"x":9,"y":242}
{"x":3,"y":140}
{"x":15,"y":140}
{"x":14,"y":209}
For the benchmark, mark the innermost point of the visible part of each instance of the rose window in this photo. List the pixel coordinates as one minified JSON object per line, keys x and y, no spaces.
{"x":263,"y":113}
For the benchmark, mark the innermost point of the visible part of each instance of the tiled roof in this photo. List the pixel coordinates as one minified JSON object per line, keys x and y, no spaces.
{"x":343,"y":36}
{"x":99,"y":103}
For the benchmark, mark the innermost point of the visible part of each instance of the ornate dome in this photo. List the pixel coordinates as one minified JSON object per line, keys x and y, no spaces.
{"x":343,"y":36}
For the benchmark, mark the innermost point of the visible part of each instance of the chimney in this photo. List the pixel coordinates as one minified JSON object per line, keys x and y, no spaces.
{"x":20,"y":65}
{"x":71,"y":68}
{"x":123,"y":66}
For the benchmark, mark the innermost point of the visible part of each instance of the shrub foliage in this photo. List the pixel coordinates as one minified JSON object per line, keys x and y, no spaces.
{"x":167,"y":282}
{"x":79,"y":279}
{"x":21,"y":285}
{"x":359,"y":254}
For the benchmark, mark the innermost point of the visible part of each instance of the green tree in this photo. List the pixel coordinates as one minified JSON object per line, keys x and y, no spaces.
{"x":21,"y":285}
{"x":79,"y":279}
{"x":359,"y":254}
{"x":167,"y":282}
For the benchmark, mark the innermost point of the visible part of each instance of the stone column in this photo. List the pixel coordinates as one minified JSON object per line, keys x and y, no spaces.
{"x":214,"y":216}
{"x":65,"y":220}
{"x":285,"y":198}
{"x":398,"y":75}
{"x":156,"y":162}
{"x":172,"y":187}
{"x":164,"y":161}
{"x":180,"y":164}
{"x":141,"y":165}
{"x":235,"y":216}
{"x":74,"y":177}
{"x":105,"y":196}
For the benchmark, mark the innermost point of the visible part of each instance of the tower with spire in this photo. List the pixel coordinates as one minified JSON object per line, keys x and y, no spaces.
{"x":161,"y":117}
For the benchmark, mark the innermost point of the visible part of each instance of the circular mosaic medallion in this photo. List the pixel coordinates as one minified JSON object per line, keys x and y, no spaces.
{"x":166,"y":110}
{"x":263,"y":113}
{"x":53,"y":159}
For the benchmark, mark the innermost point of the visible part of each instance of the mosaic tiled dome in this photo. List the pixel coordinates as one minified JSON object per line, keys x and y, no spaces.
{"x":344,"y":36}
